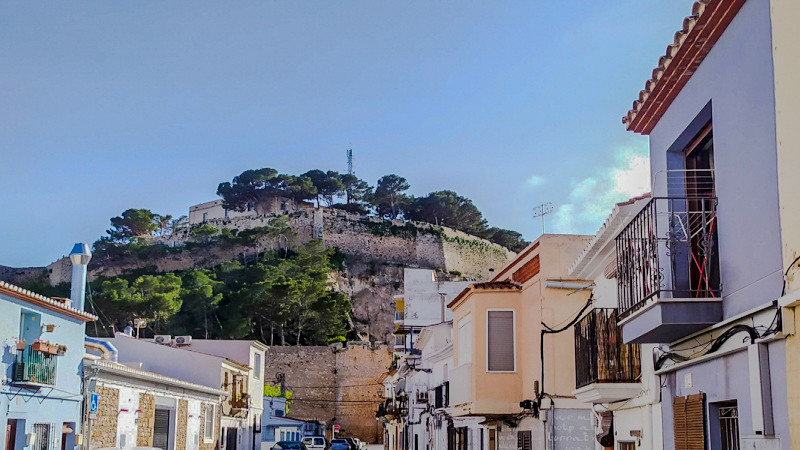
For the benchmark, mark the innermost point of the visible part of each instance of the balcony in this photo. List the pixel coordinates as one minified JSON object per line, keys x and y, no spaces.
{"x":668,"y":270}
{"x":606,"y":370}
{"x":34,"y":368}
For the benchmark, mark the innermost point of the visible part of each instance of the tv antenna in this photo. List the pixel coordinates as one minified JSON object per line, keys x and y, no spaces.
{"x":350,"y":161}
{"x":543,"y":210}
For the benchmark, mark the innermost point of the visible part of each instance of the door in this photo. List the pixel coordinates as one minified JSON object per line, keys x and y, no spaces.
{"x":230,"y":439}
{"x":161,"y":429}
{"x":11,"y":434}
{"x":42,"y":433}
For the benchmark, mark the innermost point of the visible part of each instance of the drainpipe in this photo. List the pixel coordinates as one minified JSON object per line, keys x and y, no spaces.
{"x":648,"y":425}
{"x":107,"y":349}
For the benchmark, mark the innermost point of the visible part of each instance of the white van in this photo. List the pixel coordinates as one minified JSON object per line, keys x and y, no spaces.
{"x":316,"y":443}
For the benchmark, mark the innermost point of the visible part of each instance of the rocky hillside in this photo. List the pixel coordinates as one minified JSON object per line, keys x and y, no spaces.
{"x":374,"y":253}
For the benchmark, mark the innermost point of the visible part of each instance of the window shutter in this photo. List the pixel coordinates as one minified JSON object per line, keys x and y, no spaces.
{"x":688,"y":416}
{"x":523,"y":440}
{"x":501,"y":341}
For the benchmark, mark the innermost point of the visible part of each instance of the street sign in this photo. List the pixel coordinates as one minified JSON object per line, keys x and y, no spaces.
{"x":94,"y":402}
{"x":140,"y":323}
{"x":336,"y":428}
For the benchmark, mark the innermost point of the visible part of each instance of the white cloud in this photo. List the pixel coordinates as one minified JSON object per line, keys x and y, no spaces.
{"x":535,"y":181}
{"x":591,"y":199}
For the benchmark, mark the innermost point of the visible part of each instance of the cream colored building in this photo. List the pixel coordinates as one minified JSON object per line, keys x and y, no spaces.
{"x":498,"y":331}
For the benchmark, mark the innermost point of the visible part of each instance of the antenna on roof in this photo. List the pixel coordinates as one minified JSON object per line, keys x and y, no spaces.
{"x":350,"y":161}
{"x":543,"y":210}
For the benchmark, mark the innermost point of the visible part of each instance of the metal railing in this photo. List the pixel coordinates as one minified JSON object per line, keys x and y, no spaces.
{"x":33,"y":366}
{"x":668,"y":250}
{"x":600,"y":355}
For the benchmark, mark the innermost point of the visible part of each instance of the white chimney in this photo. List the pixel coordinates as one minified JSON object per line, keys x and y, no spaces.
{"x":80,"y":257}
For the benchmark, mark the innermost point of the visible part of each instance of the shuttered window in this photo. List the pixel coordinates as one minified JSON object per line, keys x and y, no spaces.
{"x":465,"y":341}
{"x":524,"y":440}
{"x":688,"y":415}
{"x":500,"y":337}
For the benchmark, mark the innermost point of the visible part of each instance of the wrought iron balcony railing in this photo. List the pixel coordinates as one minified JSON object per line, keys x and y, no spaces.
{"x":600,"y":355}
{"x":34,"y":367}
{"x":668,"y":250}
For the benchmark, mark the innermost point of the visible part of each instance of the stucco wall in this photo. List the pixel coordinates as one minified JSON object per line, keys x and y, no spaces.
{"x":332,"y":384}
{"x":737,"y":78}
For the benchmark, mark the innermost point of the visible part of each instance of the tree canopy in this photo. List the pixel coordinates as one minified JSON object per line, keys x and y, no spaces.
{"x":389,"y":198}
{"x":448,"y":209}
{"x":255,"y":188}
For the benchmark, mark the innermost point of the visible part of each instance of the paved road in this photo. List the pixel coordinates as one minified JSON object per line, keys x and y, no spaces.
{"x":374,"y":447}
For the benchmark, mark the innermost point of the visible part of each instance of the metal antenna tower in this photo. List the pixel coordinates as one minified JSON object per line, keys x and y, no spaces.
{"x":543,"y":210}
{"x":350,"y":161}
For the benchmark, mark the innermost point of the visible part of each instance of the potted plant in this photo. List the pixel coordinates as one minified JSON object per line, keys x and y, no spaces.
{"x":50,"y":327}
{"x":41,"y":346}
{"x":52,"y":349}
{"x":61,"y":349}
{"x":21,"y":344}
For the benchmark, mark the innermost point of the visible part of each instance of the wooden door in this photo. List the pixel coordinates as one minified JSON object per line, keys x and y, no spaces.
{"x":11,"y":434}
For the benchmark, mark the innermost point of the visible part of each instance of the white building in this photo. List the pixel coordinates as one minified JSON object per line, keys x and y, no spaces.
{"x":617,"y":379}
{"x":234,"y":366}
{"x":426,"y":294}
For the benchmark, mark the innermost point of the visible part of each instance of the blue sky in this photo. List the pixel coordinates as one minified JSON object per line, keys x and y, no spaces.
{"x":106,"y":106}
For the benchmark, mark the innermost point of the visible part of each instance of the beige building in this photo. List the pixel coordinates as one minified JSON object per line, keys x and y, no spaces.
{"x":786,"y":59}
{"x":509,"y":350}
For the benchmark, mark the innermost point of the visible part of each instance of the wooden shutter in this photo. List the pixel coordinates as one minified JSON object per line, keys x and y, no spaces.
{"x":688,"y":418}
{"x":500,"y":351}
{"x":523,"y":440}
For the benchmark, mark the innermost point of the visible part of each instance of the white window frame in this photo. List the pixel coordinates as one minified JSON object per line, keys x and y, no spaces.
{"x":257,"y":365}
{"x":206,"y":408}
{"x":466,"y":320}
{"x":516,"y":330}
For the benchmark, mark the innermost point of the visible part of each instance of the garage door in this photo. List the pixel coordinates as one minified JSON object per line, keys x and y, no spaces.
{"x":161,"y":429}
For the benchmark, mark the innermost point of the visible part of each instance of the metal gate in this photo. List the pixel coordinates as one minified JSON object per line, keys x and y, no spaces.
{"x":43,"y":432}
{"x":729,"y":427}
{"x":161,"y":429}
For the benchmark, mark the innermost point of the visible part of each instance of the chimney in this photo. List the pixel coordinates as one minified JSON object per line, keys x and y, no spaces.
{"x":80,"y":257}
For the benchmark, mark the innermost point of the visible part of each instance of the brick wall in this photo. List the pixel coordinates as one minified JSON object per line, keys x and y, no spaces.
{"x":144,"y":431}
{"x":181,"y":422}
{"x":334,"y":386}
{"x":104,"y":426}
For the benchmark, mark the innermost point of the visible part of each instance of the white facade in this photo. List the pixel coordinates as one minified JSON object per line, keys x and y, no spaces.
{"x":636,"y":407}
{"x":213,"y":210}
{"x":213,"y":364}
{"x":131,"y":383}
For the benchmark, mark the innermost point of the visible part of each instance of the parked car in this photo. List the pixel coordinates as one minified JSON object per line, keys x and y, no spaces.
{"x":316,"y":443}
{"x":354,"y":443}
{"x":341,"y":444}
{"x":289,"y":445}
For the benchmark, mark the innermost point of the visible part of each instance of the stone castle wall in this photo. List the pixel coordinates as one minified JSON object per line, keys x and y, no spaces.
{"x":336,"y":386}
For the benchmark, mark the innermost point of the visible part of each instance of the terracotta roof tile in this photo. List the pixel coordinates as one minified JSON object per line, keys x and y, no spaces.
{"x":683,"y":56}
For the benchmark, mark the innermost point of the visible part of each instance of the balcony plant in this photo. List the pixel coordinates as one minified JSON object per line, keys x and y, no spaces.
{"x":21,"y":344}
{"x":50,"y":327}
{"x":41,"y":346}
{"x":61,"y":349}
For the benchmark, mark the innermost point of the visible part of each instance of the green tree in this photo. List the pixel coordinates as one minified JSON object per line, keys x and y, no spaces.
{"x":133,"y":224}
{"x":257,"y":187}
{"x":355,"y":189}
{"x":200,"y":294}
{"x":328,"y":185}
{"x":204,"y":232}
{"x":160,"y":295}
{"x":448,"y":209}
{"x":509,"y":239}
{"x":388,"y":198}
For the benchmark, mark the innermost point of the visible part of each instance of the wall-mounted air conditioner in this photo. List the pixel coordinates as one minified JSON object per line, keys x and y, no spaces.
{"x":183,"y":340}
{"x":163,"y":339}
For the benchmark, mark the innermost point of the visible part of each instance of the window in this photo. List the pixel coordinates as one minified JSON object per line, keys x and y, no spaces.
{"x":465,"y":341}
{"x":524,"y":440}
{"x":627,"y":446}
{"x":205,"y":217}
{"x":257,"y":366}
{"x":250,"y":206}
{"x":208,"y":427}
{"x":500,"y":341}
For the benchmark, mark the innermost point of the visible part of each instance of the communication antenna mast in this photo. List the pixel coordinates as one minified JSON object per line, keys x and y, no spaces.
{"x":350,"y":161}
{"x":543,"y":210}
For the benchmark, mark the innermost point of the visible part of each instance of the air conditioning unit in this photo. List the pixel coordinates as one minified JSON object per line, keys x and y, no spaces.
{"x":163,"y":339}
{"x":183,"y":340}
{"x":422,"y":397}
